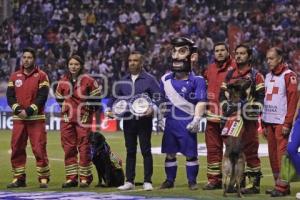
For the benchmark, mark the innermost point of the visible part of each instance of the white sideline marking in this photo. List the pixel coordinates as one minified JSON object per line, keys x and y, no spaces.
{"x":137,"y":164}
{"x":202,"y":150}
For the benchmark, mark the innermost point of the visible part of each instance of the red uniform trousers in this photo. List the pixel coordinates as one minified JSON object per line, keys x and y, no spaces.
{"x":35,"y":131}
{"x":214,"y":144}
{"x":74,"y":140}
{"x":277,"y":144}
{"x":250,"y":146}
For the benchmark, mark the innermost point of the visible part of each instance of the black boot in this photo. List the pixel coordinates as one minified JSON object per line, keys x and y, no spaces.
{"x":277,"y":193}
{"x":16,"y":183}
{"x":254,"y":183}
{"x":167,"y":185}
{"x":70,"y":184}
{"x":212,"y":186}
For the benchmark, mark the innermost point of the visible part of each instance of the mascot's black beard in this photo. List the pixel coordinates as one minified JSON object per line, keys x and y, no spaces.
{"x":181,"y":65}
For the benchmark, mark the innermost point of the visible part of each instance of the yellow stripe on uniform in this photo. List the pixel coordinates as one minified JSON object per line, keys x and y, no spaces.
{"x":253,"y":169}
{"x":95,"y":92}
{"x":85,"y":117}
{"x":35,"y":108}
{"x":216,"y":164}
{"x":58,"y":95}
{"x":14,"y":106}
{"x":259,"y":86}
{"x":44,"y":83}
{"x":10,"y":84}
{"x":43,"y":171}
{"x":18,"y":171}
{"x":65,"y":118}
{"x":30,"y":118}
{"x":86,"y":171}
{"x":213,"y":117}
{"x":71,"y":169}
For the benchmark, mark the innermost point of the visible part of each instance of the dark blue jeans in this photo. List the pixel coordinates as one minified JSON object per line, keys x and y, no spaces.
{"x":142,"y":129}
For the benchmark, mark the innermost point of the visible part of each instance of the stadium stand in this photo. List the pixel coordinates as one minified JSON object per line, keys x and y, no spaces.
{"x":103,"y":32}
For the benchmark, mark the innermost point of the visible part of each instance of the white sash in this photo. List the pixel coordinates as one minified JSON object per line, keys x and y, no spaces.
{"x":175,"y":98}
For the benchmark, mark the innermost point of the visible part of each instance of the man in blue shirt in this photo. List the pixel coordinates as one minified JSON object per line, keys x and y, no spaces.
{"x":137,"y":81}
{"x":185,"y":96}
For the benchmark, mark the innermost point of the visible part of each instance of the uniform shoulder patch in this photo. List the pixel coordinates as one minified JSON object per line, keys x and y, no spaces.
{"x":293,"y":80}
{"x":19,"y":83}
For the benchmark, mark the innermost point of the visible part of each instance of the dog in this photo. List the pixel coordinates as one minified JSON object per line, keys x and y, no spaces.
{"x":108,"y":165}
{"x":233,"y":165}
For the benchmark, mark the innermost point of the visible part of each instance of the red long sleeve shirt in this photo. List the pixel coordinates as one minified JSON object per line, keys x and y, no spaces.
{"x":215,"y":76}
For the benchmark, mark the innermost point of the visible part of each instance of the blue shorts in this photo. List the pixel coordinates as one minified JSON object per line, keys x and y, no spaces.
{"x":177,"y":138}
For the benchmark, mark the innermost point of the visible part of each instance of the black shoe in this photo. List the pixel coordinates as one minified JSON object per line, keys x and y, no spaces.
{"x":277,"y":193}
{"x":167,"y":185}
{"x":193,"y":186}
{"x":269,"y":191}
{"x":231,"y":189}
{"x":69,"y":184}
{"x":84,"y":184}
{"x":251,"y":190}
{"x":16,"y":183}
{"x":212,"y":186}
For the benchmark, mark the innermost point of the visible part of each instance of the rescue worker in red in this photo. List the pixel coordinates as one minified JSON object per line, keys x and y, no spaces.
{"x":251,"y":108}
{"x":27,"y":93}
{"x":77,"y":93}
{"x":279,"y":109}
{"x":215,"y":75}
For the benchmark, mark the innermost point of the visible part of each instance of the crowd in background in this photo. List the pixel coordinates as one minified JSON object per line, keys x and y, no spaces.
{"x":104,"y":32}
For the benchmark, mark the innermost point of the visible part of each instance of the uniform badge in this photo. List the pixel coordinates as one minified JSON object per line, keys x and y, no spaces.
{"x":19,"y":75}
{"x":183,"y":89}
{"x":19,"y":83}
{"x":293,"y":80}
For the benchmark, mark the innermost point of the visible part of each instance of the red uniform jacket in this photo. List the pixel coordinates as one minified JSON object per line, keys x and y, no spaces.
{"x":291,"y":93}
{"x":28,"y":92}
{"x":215,"y":75}
{"x":75,"y":98}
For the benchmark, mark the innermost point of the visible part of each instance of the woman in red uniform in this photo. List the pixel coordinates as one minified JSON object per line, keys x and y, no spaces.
{"x":75,"y":93}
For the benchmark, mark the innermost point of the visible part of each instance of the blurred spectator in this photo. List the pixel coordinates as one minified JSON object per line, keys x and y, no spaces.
{"x":104,"y":32}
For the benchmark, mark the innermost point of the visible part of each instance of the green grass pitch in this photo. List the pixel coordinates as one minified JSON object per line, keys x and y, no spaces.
{"x":116,"y":141}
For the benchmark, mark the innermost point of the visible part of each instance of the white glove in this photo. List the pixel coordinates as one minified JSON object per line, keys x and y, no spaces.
{"x":108,"y":113}
{"x":194,"y":125}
